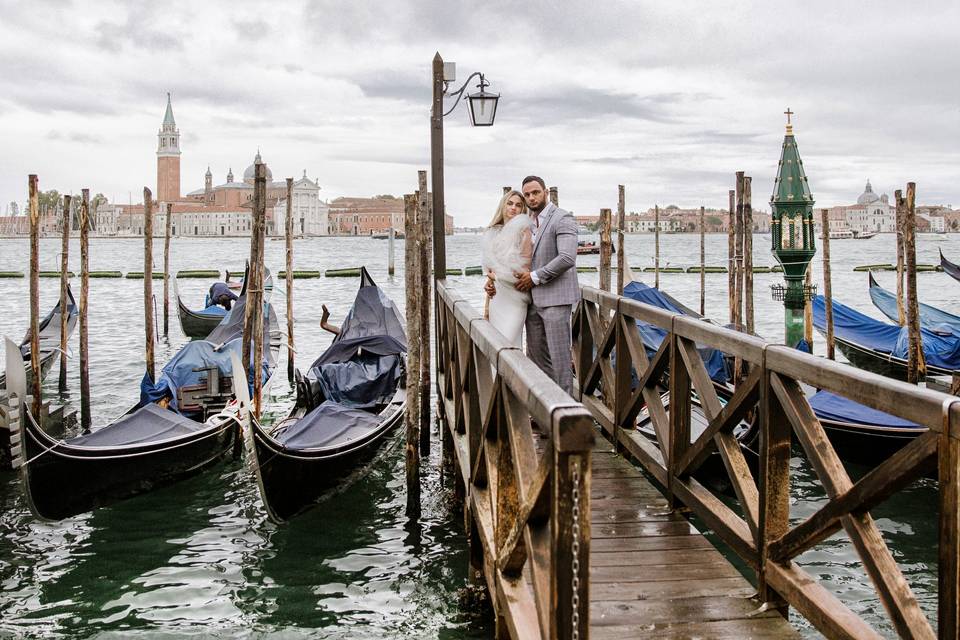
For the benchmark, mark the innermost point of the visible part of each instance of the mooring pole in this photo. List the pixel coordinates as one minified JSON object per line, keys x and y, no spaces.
{"x":288,"y":232}
{"x":915,"y":362}
{"x":436,"y":170}
{"x":256,"y":318}
{"x":748,"y":253}
{"x":731,"y":259}
{"x":901,"y":216}
{"x":827,"y":286}
{"x":703,"y":264}
{"x":423,"y":219}
{"x":148,"y":323}
{"x":166,"y":270}
{"x":64,"y":284}
{"x":605,"y":246}
{"x":411,"y":270}
{"x":84,"y":222}
{"x":656,"y":246}
{"x":391,"y":242}
{"x":34,"y":204}
{"x":554,"y":196}
{"x":738,"y":255}
{"x":621,"y":223}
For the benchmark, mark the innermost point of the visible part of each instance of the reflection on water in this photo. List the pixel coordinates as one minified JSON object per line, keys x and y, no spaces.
{"x":201,"y":557}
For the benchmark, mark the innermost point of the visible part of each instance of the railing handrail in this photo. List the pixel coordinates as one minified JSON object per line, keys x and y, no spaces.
{"x":762,"y":533}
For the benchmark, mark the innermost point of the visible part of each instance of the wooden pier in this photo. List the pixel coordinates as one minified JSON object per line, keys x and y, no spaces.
{"x":573,"y":541}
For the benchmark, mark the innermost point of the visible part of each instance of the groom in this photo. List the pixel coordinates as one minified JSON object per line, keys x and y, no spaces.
{"x":552,"y":282}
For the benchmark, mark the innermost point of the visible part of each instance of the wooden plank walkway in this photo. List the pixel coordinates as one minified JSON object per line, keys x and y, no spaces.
{"x":653,"y":575}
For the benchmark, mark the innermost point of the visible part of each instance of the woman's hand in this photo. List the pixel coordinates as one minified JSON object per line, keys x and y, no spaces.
{"x":490,"y":287}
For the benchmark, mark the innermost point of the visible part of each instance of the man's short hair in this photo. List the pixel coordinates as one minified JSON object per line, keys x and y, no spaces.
{"x":543,"y":184}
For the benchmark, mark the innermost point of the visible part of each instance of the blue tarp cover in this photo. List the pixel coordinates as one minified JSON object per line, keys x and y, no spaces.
{"x":936,"y":320}
{"x":213,"y":310}
{"x":149,"y":423}
{"x":833,"y":407}
{"x":853,"y":326}
{"x":652,"y":335}
{"x":328,"y":425}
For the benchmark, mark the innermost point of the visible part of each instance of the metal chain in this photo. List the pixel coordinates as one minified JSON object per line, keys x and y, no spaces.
{"x":575,"y":549}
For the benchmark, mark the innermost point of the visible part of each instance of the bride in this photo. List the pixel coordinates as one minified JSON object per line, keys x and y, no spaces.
{"x":507,"y":248}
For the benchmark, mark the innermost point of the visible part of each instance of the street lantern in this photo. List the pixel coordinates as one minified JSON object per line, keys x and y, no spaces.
{"x":792,"y":235}
{"x":483,"y":105}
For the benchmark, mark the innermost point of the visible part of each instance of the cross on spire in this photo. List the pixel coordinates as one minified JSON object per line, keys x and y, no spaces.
{"x":788,"y":113}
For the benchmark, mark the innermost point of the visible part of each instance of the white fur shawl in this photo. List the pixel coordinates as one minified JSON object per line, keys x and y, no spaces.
{"x":503,"y":248}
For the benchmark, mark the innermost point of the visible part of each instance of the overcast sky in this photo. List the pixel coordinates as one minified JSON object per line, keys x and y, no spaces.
{"x":669,"y":101}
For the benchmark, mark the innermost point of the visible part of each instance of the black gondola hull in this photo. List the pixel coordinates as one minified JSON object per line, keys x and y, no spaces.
{"x":195,"y":325}
{"x":881,"y":363}
{"x":290,"y":481}
{"x":60,"y":480}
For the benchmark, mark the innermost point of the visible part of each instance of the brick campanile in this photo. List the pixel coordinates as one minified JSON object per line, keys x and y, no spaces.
{"x":168,"y":158}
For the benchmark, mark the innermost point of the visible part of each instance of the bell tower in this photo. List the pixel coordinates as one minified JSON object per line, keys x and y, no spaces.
{"x":168,"y":158}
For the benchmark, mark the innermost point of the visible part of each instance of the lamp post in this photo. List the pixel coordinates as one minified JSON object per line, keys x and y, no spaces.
{"x":791,"y":228}
{"x":483,"y":110}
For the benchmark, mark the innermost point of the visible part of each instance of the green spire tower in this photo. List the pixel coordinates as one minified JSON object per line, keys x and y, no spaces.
{"x":791,"y":229}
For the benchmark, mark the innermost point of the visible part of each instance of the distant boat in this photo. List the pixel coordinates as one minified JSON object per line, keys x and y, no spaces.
{"x":585,"y":248}
{"x":841,"y":234}
{"x":864,"y":235}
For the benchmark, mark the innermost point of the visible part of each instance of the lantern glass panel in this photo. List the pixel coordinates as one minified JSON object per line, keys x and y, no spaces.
{"x":483,"y":108}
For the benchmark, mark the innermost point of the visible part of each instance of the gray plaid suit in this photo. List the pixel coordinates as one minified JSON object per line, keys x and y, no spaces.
{"x":548,"y":316}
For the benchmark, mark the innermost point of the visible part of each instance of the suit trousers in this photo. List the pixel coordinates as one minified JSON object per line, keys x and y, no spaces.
{"x":549,"y":342}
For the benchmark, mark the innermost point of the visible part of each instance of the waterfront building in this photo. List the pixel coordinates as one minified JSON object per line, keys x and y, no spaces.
{"x":872,"y":213}
{"x":350,"y":216}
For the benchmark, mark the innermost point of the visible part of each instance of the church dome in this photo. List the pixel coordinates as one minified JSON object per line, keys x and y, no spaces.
{"x":868,"y":196}
{"x":250,"y":173}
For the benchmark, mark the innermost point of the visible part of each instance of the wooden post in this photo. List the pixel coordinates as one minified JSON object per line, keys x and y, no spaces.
{"x":288,"y":232}
{"x":703,"y":263}
{"x":436,"y":166}
{"x":901,"y":310}
{"x":411,"y":230}
{"x":738,"y":255}
{"x":148,"y":323}
{"x":731,"y":259}
{"x":827,"y":286}
{"x":166,"y":271}
{"x":656,"y":246}
{"x":915,"y":364}
{"x":391,"y":243}
{"x":748,"y":253}
{"x":554,"y":197}
{"x":507,"y":190}
{"x":34,"y":205}
{"x":64,"y":284}
{"x":84,"y":222}
{"x":948,"y":564}
{"x":423,"y":217}
{"x":257,"y":231}
{"x":605,"y":246}
{"x":621,"y":254}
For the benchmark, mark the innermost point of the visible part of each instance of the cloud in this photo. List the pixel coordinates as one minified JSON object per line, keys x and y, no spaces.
{"x":74,"y":136}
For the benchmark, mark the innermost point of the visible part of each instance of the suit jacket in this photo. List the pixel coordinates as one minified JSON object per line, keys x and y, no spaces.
{"x":555,"y":259}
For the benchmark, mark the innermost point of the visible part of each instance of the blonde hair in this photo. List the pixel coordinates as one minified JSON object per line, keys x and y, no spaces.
{"x":498,"y":217}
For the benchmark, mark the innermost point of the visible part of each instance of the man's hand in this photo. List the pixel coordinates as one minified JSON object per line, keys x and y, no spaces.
{"x":490,"y":287}
{"x":524,"y":281}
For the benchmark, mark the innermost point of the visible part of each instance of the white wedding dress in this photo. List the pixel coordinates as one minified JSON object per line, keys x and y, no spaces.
{"x":507,"y":249}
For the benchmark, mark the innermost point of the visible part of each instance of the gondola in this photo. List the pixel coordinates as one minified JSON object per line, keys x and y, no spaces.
{"x":49,"y":340}
{"x":148,"y":446}
{"x":881,"y":347}
{"x":951,"y":269}
{"x":199,"y":324}
{"x":347,"y":405}
{"x":936,"y":320}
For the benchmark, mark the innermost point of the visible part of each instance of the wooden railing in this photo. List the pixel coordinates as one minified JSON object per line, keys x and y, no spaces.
{"x":607,"y":344}
{"x":526,"y":497}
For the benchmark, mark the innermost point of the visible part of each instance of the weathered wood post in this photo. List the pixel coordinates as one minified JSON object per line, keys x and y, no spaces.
{"x":605,"y":247}
{"x":738,"y":255}
{"x":84,"y":222}
{"x":915,"y":363}
{"x":34,"y":204}
{"x":748,"y":253}
{"x":656,"y":246}
{"x":554,"y":196}
{"x":901,"y":310}
{"x":257,"y":232}
{"x":166,"y":270}
{"x":827,"y":286}
{"x":411,"y":230}
{"x":703,"y":263}
{"x":731,"y":258}
{"x":621,"y":252}
{"x":507,"y":190}
{"x":423,"y":219}
{"x":288,"y":233}
{"x":391,"y":244}
{"x":64,"y":284}
{"x":148,"y":322}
